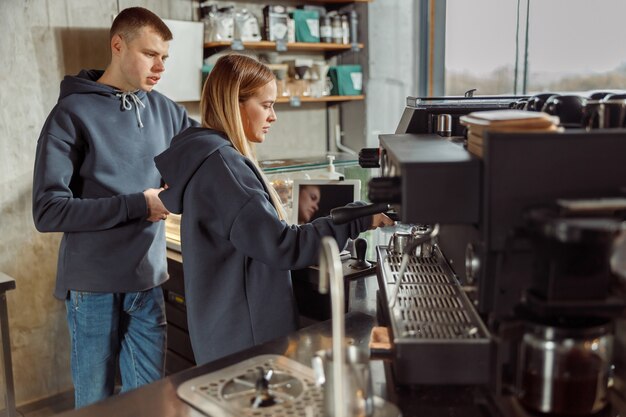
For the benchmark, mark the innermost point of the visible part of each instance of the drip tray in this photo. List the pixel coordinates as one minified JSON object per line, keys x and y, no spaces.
{"x":232,"y":391}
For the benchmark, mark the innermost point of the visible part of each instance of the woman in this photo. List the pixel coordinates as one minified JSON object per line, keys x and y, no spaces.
{"x":308,"y":202}
{"x":237,"y":247}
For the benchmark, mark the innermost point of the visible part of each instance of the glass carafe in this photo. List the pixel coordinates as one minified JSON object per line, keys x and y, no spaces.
{"x":565,"y":366}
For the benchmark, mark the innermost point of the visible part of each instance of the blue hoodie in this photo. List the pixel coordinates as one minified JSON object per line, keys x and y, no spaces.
{"x":94,"y":160}
{"x":236,"y":252}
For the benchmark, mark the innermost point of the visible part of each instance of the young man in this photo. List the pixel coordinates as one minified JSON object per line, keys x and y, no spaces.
{"x":96,"y":182}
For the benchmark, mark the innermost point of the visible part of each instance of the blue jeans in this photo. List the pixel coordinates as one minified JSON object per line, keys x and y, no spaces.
{"x":107,"y":326}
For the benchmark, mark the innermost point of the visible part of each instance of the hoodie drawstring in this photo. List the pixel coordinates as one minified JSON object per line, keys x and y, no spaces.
{"x":127,"y":105}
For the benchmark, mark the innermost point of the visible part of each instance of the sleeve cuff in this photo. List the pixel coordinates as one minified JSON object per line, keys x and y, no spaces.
{"x":136,"y":206}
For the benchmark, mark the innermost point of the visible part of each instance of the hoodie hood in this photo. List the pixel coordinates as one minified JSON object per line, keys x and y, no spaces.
{"x":86,"y":83}
{"x":185,"y":155}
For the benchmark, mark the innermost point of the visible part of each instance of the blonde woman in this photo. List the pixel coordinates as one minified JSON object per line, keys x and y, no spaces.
{"x":237,"y":247}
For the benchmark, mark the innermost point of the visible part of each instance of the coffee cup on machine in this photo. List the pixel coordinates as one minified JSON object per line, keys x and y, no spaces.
{"x":569,"y":109}
{"x":599,"y":95}
{"x":536,"y":102}
{"x":610,"y":112}
{"x":616,"y":105}
{"x":520,"y":104}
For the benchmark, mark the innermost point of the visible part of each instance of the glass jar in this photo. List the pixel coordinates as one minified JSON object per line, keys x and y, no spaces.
{"x":326,"y":29}
{"x":336,"y":28}
{"x":565,"y":366}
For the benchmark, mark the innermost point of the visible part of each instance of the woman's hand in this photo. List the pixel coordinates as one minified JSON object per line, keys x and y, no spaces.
{"x":380,"y":220}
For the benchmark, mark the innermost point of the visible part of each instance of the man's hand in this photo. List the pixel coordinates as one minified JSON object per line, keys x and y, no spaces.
{"x":156,"y":209}
{"x":380,"y":220}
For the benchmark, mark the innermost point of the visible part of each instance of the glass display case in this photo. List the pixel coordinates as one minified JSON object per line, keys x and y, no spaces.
{"x":281,"y":173}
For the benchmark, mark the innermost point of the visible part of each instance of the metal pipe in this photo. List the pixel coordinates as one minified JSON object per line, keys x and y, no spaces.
{"x":331,"y":276}
{"x":406,"y":255}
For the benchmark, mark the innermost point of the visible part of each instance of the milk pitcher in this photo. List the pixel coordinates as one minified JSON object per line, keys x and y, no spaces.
{"x":359,"y":400}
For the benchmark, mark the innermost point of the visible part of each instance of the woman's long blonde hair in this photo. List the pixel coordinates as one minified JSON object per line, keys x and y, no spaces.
{"x":233,"y":80}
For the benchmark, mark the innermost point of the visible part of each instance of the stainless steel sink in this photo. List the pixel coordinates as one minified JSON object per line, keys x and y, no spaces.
{"x":233,"y":391}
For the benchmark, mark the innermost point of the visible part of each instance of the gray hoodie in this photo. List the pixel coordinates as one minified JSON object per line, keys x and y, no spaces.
{"x":94,"y":160}
{"x":236,"y":252}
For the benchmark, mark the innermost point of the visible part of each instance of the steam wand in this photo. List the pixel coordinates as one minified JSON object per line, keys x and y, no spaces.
{"x":406,"y":255}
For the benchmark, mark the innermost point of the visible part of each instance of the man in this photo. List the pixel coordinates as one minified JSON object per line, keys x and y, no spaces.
{"x":95,"y":180}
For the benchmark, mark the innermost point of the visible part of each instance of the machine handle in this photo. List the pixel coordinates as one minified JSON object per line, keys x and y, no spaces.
{"x":360,"y":246}
{"x":341,"y":215}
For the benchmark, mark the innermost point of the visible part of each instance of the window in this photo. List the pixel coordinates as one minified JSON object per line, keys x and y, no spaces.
{"x":563,"y":45}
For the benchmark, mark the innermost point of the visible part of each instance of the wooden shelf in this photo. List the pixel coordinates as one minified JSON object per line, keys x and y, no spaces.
{"x":294,"y":46}
{"x":327,"y":2}
{"x":325,"y":99}
{"x":336,"y":1}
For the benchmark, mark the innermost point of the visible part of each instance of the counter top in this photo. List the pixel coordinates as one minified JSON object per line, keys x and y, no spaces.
{"x":159,"y":399}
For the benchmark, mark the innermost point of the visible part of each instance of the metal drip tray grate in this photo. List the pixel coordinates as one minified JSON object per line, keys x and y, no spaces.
{"x":438,"y":331}
{"x":419,"y":271}
{"x":436,"y":316}
{"x":430,"y":304}
{"x":231,"y":391}
{"x":432,"y":322}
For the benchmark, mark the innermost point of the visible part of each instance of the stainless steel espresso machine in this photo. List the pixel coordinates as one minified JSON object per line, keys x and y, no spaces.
{"x":513,"y":276}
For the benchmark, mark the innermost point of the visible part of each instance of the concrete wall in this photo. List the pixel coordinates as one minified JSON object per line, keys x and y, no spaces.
{"x":392,"y":64}
{"x":40,"y":42}
{"x":389,"y":62}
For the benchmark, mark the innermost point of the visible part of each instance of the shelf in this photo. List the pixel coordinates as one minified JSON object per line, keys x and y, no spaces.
{"x":325,"y":99}
{"x":291,"y":47}
{"x":275,"y":166}
{"x":327,"y":2}
{"x":338,"y":1}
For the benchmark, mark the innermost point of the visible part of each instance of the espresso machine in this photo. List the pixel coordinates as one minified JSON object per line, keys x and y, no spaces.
{"x":513,"y":274}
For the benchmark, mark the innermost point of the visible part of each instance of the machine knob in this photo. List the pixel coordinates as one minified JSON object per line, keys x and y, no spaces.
{"x":472,"y":263}
{"x":385,"y":190}
{"x":369,"y":158}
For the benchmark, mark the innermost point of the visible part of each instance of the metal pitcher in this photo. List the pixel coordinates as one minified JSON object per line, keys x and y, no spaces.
{"x":357,"y":385}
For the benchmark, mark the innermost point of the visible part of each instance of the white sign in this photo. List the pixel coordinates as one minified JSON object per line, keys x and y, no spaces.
{"x":182,"y":79}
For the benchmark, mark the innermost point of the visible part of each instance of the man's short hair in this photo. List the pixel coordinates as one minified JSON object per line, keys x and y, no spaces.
{"x":129,"y":22}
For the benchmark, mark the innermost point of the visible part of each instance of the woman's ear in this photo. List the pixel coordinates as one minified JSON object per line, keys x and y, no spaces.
{"x":242,"y":113}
